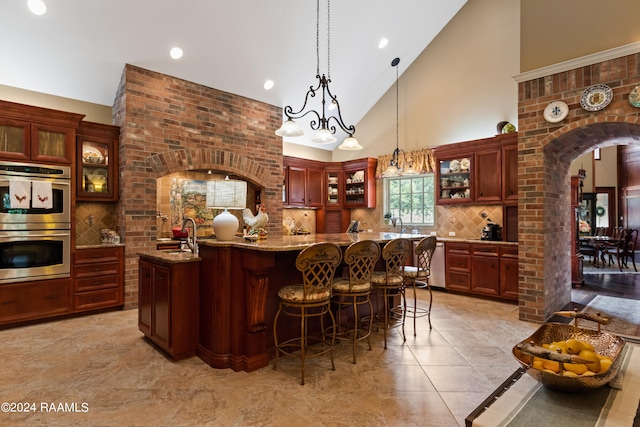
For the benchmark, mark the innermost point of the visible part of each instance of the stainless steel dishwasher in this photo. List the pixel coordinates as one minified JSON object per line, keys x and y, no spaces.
{"x":437,"y":278}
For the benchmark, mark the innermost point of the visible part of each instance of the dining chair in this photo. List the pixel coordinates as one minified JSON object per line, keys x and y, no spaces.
{"x":310,"y":299}
{"x":624,"y":249}
{"x":417,"y":277}
{"x":354,"y":291}
{"x":390,"y":283}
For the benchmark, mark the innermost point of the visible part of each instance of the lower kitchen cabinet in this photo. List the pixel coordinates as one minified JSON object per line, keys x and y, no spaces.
{"x":457,"y":257}
{"x":98,"y":278}
{"x":167,"y":305}
{"x":26,"y":301}
{"x":487,"y":269}
{"x":509,"y":272}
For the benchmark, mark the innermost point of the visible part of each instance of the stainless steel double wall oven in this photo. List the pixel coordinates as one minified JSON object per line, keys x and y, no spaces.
{"x":35,"y":242}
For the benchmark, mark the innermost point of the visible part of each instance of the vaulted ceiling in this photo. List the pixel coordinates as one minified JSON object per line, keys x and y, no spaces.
{"x":78,"y":49}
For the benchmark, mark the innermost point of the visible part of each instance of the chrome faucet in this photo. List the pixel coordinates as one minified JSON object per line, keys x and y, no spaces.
{"x":396,"y":219}
{"x":193,"y":243}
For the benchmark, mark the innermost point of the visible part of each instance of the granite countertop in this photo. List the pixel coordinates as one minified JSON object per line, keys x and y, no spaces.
{"x":286,"y":243}
{"x":100,"y":245}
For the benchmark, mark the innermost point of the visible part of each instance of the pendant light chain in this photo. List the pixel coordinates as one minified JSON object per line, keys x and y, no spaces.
{"x":329,"y":39}
{"x":397,"y":117}
{"x":318,"y":37}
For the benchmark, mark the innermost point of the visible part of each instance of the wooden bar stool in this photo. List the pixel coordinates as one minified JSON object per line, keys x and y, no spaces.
{"x":418,"y":278}
{"x":311,"y":298}
{"x":361,"y":258}
{"x":391,"y":282}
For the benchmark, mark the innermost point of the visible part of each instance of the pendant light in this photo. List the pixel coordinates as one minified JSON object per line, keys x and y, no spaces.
{"x":326,"y":126}
{"x":394,"y":164}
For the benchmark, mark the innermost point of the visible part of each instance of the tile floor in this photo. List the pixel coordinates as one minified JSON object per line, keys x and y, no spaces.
{"x":101,"y":364}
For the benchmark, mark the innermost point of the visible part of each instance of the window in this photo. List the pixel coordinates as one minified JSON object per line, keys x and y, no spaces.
{"x":411,"y":198}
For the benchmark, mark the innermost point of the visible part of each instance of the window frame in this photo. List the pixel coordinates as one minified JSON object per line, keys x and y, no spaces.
{"x":408,"y":218}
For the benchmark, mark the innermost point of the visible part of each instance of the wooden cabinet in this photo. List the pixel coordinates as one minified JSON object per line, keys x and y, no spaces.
{"x":509,"y":272}
{"x":359,"y":183}
{"x":577,"y":259}
{"x":510,"y":171}
{"x":168,"y":305}
{"x":97,"y":162}
{"x":304,"y":182}
{"x":333,"y":218}
{"x":455,"y":179}
{"x":488,"y":176}
{"x":37,"y":134}
{"x":98,"y":278}
{"x":458,"y":266}
{"x":485,"y":269}
{"x":35,"y":300}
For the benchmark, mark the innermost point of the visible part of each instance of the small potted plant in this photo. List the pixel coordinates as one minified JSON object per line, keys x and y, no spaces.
{"x":387,"y":218}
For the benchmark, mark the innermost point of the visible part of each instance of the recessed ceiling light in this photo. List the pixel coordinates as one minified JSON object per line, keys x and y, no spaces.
{"x":383,"y":43}
{"x":268,"y":84}
{"x":176,"y":52}
{"x":37,"y":7}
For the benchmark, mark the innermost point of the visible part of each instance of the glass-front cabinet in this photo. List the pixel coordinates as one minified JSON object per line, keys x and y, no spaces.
{"x":359,"y":183}
{"x":37,"y":134}
{"x":455,"y":180}
{"x":97,"y":178}
{"x":334,"y":191}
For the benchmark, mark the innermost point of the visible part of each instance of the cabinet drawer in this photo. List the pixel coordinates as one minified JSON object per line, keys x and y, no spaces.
{"x":458,"y":281}
{"x":458,"y":248}
{"x":85,"y":256}
{"x":458,"y":262}
{"x":26,"y":301}
{"x":97,"y":269}
{"x":98,"y":299}
{"x":485,"y":250}
{"x":98,"y":282}
{"x":509,"y":251}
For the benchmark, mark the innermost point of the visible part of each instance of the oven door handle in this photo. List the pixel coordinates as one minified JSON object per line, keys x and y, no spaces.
{"x":32,"y":234}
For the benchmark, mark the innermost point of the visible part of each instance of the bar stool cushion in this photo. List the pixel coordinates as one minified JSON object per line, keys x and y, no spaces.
{"x":295,"y":293}
{"x":411,"y":271}
{"x":379,"y":278}
{"x":341,"y":284}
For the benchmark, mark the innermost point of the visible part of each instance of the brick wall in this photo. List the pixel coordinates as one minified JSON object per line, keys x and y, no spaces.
{"x":545,"y":152}
{"x":170,"y":125}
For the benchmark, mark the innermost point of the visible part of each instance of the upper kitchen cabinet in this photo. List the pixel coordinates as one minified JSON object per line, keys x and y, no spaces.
{"x":37,"y":134}
{"x":480,"y":171}
{"x":304,"y":182}
{"x":359,"y":183}
{"x":488,"y":176}
{"x":455,"y":179}
{"x":510,"y":168}
{"x":97,"y":151}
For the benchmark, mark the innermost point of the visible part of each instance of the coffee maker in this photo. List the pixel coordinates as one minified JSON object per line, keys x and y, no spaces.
{"x":492,"y":232}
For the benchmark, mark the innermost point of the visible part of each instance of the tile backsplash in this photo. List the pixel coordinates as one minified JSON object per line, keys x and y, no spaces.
{"x":91,"y":217}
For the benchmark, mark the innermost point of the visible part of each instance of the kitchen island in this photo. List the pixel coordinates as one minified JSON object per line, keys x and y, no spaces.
{"x":238,"y":297}
{"x":226,"y":298}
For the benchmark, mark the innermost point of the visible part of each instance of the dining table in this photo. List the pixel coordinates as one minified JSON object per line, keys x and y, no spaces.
{"x":598,"y":243}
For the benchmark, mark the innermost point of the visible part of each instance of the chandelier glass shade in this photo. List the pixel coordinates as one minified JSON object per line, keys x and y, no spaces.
{"x":320,"y":121}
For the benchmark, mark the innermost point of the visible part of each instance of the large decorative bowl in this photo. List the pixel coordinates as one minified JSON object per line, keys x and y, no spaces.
{"x":603,"y":343}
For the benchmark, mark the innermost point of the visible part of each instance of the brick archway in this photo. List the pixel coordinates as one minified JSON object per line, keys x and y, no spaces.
{"x":545,"y":208}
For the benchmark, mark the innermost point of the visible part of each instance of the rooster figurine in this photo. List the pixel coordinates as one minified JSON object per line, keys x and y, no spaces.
{"x":257,"y":222}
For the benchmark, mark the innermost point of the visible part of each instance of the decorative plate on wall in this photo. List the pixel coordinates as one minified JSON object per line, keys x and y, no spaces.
{"x":556,"y":111}
{"x":634,"y":97}
{"x":596,"y":97}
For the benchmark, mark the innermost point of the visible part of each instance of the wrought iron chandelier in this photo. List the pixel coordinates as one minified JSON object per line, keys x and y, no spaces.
{"x":326,"y":126}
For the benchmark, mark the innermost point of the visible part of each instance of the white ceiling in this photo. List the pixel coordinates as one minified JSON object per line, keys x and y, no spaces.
{"x":78,"y":49}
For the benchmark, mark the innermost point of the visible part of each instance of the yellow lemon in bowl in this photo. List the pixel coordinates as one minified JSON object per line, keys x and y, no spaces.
{"x":593,"y":357}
